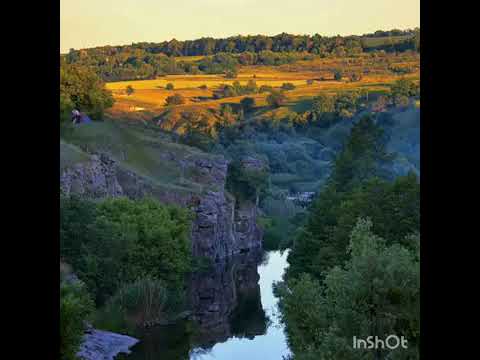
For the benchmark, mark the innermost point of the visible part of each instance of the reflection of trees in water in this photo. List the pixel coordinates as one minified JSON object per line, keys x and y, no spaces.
{"x":198,"y":353}
{"x":170,"y":342}
{"x":249,"y":319}
{"x":225,"y":302}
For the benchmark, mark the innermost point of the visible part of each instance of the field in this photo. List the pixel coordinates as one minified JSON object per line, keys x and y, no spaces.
{"x":385,"y":40}
{"x":310,"y":77}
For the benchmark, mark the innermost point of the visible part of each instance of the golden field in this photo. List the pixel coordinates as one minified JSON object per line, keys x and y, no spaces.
{"x":148,"y":100}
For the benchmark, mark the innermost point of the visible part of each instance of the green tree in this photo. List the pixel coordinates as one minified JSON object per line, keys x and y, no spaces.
{"x":231,"y":73}
{"x":375,"y":293}
{"x":119,"y":240}
{"x":129,"y":90}
{"x":323,"y":110}
{"x":346,"y":104}
{"x":82,"y":89}
{"x":176,"y":99}
{"x":338,"y":75}
{"x":404,"y":87}
{"x":248,"y":103}
{"x":287,"y":86}
{"x":276,"y":99}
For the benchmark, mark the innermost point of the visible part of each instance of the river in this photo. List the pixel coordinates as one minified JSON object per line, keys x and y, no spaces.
{"x":235,"y":315}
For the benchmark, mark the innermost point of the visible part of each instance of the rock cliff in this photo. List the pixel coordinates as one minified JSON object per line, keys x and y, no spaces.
{"x":220,"y":229}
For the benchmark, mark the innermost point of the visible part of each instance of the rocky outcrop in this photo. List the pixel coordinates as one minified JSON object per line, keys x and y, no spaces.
{"x":221,"y":227}
{"x":95,"y":178}
{"x":104,"y":345}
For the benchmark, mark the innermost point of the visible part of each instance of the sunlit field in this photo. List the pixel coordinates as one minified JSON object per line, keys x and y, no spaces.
{"x":309,"y":77}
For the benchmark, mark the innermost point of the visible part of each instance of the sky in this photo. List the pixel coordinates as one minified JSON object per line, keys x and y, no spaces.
{"x":88,"y":23}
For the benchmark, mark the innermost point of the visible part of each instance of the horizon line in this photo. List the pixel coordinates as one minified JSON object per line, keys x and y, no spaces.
{"x":231,"y":36}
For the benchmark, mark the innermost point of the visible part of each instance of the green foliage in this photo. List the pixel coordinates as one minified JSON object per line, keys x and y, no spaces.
{"x":82,"y":89}
{"x":354,"y":190}
{"x":322,"y":111}
{"x":75,"y":307}
{"x":287,"y":86}
{"x":363,"y":155}
{"x":197,"y":132}
{"x":161,"y":246}
{"x":119,"y":240}
{"x":176,"y":99}
{"x":129,"y":90}
{"x":169,"y":86}
{"x":338,"y":75}
{"x":276,"y":99}
{"x":376,"y":293}
{"x":346,"y":104}
{"x":149,"y":60}
{"x":248,"y":103}
{"x":236,"y":89}
{"x":244,"y":183}
{"x":135,"y":304}
{"x":404,"y":88}
{"x":265,"y":88}
{"x":231,"y":74}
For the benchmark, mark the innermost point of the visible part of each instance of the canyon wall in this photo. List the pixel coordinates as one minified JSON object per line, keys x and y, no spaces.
{"x":221,"y":227}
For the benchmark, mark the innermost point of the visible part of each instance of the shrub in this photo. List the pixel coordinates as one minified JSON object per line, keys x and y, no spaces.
{"x":356,"y":77}
{"x":248,"y":103}
{"x":404,"y":87}
{"x":288,"y":86}
{"x":338,"y":75}
{"x":276,"y":99}
{"x":265,"y":88}
{"x":129,"y":90}
{"x":231,"y":74}
{"x":75,"y":308}
{"x":176,"y":99}
{"x":203,"y":87}
{"x":135,"y":304}
{"x":169,"y":86}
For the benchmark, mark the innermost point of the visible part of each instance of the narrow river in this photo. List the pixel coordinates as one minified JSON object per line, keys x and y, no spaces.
{"x":235,"y":315}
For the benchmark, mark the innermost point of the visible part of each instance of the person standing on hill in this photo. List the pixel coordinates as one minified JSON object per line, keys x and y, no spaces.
{"x":76,"y":116}
{"x":79,"y":118}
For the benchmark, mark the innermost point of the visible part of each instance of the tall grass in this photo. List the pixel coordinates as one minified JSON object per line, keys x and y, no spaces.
{"x":135,"y":305}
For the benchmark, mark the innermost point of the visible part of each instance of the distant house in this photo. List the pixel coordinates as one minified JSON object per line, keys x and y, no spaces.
{"x":303,"y":198}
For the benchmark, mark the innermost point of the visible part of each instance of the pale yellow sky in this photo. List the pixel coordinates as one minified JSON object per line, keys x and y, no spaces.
{"x":87,"y":23}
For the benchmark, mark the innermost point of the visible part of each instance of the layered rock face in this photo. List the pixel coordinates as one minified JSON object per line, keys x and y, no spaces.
{"x":220,"y":228}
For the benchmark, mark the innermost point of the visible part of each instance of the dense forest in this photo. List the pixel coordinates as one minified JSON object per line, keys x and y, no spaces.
{"x":354,"y":266}
{"x":149,"y":60}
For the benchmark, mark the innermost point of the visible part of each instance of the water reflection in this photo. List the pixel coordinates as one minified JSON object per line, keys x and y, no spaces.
{"x":233,"y":315}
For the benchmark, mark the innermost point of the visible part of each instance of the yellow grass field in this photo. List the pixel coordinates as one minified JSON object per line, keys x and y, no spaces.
{"x":148,"y":100}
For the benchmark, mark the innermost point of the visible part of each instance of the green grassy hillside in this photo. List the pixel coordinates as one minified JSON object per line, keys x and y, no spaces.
{"x":141,"y":148}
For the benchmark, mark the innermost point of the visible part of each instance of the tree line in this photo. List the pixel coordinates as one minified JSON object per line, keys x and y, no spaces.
{"x":147,"y":60}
